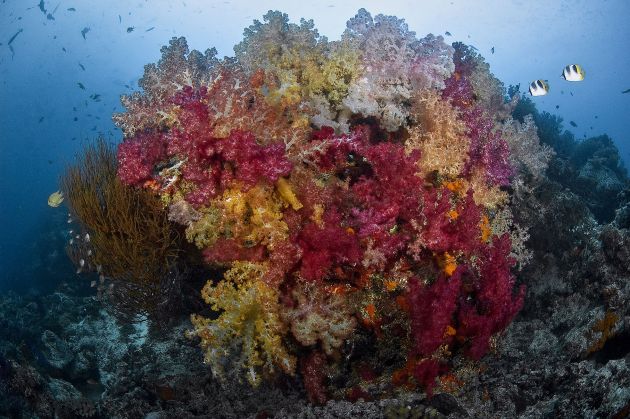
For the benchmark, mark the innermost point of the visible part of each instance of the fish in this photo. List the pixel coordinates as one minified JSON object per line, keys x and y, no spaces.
{"x":447,"y":33}
{"x":492,"y":50}
{"x":89,"y":252}
{"x":41,"y":119}
{"x":130,"y":29}
{"x":538,"y":88}
{"x":71,"y":9}
{"x":95,"y":97}
{"x":557,"y":106}
{"x":64,"y":49}
{"x":84,"y":31}
{"x":75,"y":119}
{"x":87,"y":237}
{"x":119,"y":19}
{"x":92,"y":284}
{"x":71,"y":231}
{"x":81,"y":85}
{"x":150,"y":29}
{"x":81,"y":262}
{"x":42,"y":6}
{"x":573,"y":124}
{"x":55,"y":199}
{"x":15,"y":36}
{"x":626,"y":91}
{"x":82,"y":67}
{"x":71,"y":241}
{"x":573,"y":72}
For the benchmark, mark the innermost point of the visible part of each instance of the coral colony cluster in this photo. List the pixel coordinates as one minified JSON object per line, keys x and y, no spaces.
{"x":353,"y":196}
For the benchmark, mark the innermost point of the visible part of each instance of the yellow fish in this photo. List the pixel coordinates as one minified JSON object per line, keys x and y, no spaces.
{"x":573,"y":72}
{"x":55,"y":199}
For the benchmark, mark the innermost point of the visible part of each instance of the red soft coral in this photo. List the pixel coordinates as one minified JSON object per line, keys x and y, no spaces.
{"x":494,"y":304}
{"x":448,"y":228}
{"x":313,"y":368}
{"x":425,"y":373}
{"x":253,"y":162}
{"x":385,"y":205}
{"x":137,"y":156}
{"x":431,"y":310}
{"x":212,"y":164}
{"x":324,"y":247}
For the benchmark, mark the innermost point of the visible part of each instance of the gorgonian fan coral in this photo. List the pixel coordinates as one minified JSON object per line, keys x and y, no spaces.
{"x":351,"y":191}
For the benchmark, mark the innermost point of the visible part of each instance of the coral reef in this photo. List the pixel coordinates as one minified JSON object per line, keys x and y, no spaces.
{"x":367,"y":212}
{"x":333,"y":180}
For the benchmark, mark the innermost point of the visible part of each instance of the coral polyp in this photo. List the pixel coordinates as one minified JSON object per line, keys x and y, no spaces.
{"x":353,"y":191}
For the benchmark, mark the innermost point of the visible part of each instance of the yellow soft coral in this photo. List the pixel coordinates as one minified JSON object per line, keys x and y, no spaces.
{"x":249,"y":321}
{"x":485,"y":195}
{"x":205,"y":231}
{"x":439,"y":135}
{"x":286,"y":192}
{"x":336,"y":72}
{"x":255,"y":216}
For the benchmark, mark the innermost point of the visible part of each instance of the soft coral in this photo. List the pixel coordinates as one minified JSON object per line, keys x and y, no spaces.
{"x":494,"y":304}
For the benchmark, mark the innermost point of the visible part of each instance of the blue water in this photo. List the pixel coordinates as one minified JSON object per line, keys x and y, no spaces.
{"x":40,"y":70}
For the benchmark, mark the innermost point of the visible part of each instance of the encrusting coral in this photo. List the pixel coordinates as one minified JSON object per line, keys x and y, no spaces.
{"x":353,"y":192}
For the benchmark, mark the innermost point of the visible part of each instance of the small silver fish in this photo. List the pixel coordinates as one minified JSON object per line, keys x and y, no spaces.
{"x":71,"y":241}
{"x":79,"y":271}
{"x":87,"y":237}
{"x":81,"y":262}
{"x":101,"y":278}
{"x":99,"y":268}
{"x":71,"y":231}
{"x":92,"y":284}
{"x":77,"y":237}
{"x":69,"y":220}
{"x":89,"y":252}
